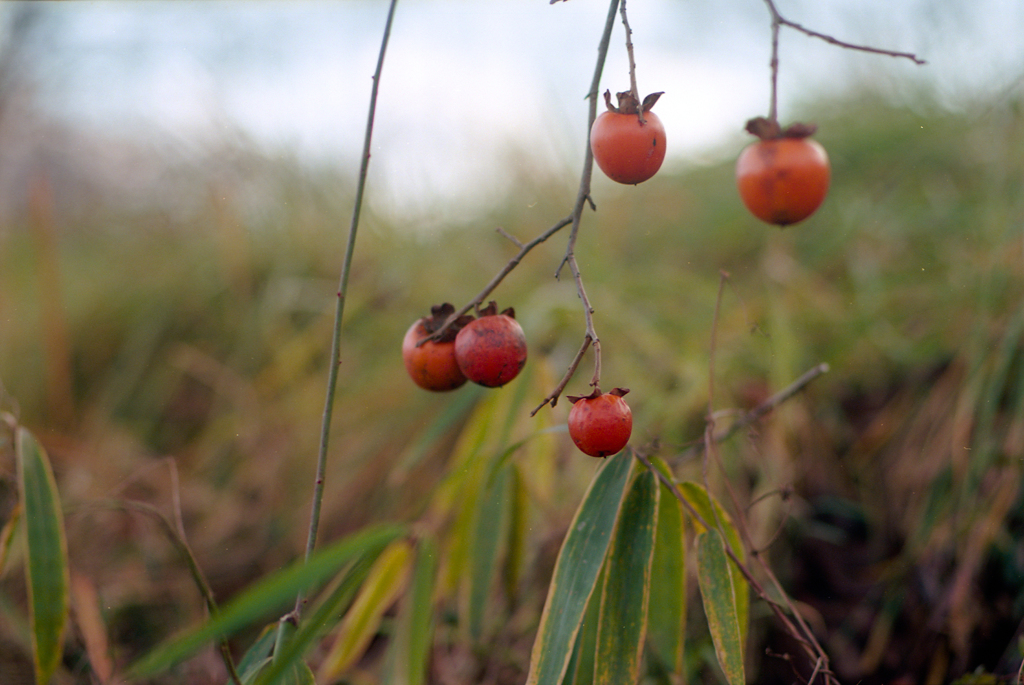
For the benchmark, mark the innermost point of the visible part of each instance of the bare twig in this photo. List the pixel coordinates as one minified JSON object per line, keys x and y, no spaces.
{"x":779,"y":21}
{"x":332,"y":374}
{"x":499,"y":277}
{"x":632,"y":62}
{"x":796,"y":626}
{"x":514,"y":240}
{"x":181,"y":545}
{"x":552,"y":399}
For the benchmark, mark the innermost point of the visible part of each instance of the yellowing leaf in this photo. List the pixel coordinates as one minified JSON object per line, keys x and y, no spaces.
{"x":384,"y":584}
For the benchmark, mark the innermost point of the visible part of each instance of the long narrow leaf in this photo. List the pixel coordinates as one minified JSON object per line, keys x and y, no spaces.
{"x":717,"y":591}
{"x":576,"y":571}
{"x":667,"y":616}
{"x":713,"y":512}
{"x":586,"y":647}
{"x":293,"y":642}
{"x":491,"y":524}
{"x":270,"y":594}
{"x":410,"y":651}
{"x":623,"y":624}
{"x":46,"y":563}
{"x":385,"y":583}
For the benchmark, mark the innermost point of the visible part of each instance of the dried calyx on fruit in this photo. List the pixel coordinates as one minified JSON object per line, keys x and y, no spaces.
{"x":783,"y":177}
{"x":431,"y":362}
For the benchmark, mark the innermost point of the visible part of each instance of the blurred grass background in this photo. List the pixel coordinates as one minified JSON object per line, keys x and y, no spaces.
{"x":168,"y":340}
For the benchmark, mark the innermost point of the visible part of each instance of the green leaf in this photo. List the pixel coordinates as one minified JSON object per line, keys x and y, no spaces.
{"x":385,"y":583}
{"x":46,"y":561}
{"x":270,"y":594}
{"x":586,"y":643}
{"x":410,"y":651}
{"x":667,"y":616}
{"x":717,"y":590}
{"x":579,"y":563}
{"x":292,"y":642}
{"x":257,"y":656}
{"x":626,"y":595}
{"x":699,"y":498}
{"x":491,"y":524}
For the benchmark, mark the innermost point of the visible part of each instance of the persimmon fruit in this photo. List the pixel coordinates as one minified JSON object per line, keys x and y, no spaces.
{"x":432,"y":365}
{"x":625,"y":148}
{"x":784,"y":177}
{"x":491,"y":350}
{"x":600,"y":423}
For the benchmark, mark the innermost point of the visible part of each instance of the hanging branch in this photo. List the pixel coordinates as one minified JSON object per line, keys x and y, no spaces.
{"x":778,"y":21}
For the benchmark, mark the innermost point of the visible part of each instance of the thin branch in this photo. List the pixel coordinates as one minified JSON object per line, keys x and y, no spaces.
{"x":779,"y":21}
{"x":332,"y":374}
{"x":500,"y":276}
{"x":181,"y":545}
{"x":552,"y":399}
{"x":632,"y":62}
{"x":770,"y":404}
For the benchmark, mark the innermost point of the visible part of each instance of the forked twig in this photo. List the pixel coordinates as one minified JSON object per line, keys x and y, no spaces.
{"x":778,"y":21}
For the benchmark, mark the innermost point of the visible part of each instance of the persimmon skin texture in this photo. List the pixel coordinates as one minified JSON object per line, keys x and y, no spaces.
{"x":600,"y":426}
{"x":784,"y":180}
{"x":625,"y":150}
{"x":491,"y":350}
{"x":432,"y":365}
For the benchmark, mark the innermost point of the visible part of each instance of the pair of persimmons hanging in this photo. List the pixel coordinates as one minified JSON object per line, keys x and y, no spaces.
{"x":782,"y":178}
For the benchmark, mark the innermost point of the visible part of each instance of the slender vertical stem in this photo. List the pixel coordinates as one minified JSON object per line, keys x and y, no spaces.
{"x":773,"y":103}
{"x":632,"y":61}
{"x":335,"y":359}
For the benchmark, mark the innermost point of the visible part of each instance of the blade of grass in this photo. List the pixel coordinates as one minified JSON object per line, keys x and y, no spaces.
{"x":384,"y":584}
{"x":491,"y":525}
{"x":292,"y":642}
{"x":269,"y":594}
{"x":410,"y":653}
{"x":46,"y":563}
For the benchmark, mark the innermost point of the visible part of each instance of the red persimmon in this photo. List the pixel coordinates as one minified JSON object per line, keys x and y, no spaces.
{"x":625,"y":149}
{"x":491,"y":350}
{"x":782,"y":180}
{"x":432,"y":365}
{"x":600,"y":423}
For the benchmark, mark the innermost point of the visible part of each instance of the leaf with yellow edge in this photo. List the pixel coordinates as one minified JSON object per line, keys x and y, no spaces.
{"x":576,"y":571}
{"x":717,"y":590}
{"x":667,"y":616}
{"x":46,"y":561}
{"x":627,"y":583}
{"x":699,"y":498}
{"x":385,"y":582}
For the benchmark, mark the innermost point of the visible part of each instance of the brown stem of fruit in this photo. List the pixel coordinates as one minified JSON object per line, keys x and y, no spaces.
{"x":632,"y":62}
